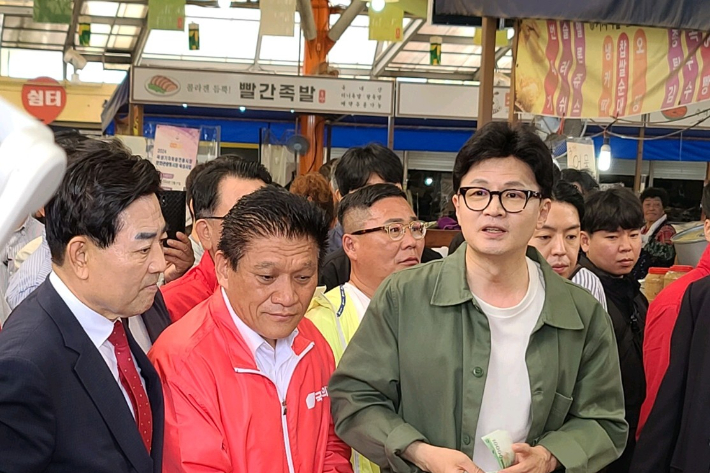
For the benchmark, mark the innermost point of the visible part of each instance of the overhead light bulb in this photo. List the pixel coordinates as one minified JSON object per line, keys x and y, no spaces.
{"x":242,"y":109}
{"x":224,"y":3}
{"x":605,"y":156}
{"x":377,"y":5}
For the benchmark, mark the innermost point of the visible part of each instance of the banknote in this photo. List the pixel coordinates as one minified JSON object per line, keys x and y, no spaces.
{"x":500,"y":444}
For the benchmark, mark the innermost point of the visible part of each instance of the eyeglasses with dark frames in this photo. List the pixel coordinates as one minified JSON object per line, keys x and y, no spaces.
{"x":397,"y":230}
{"x":512,"y":200}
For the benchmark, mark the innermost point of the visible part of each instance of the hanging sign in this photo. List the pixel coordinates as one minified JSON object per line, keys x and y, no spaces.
{"x":387,"y":24}
{"x":44,"y":98}
{"x":580,"y":155}
{"x":52,"y":11}
{"x":435,"y":50}
{"x":175,"y":154}
{"x":277,"y":17}
{"x":588,"y":70}
{"x":262,"y":91}
{"x":194,"y":36}
{"x":166,"y":15}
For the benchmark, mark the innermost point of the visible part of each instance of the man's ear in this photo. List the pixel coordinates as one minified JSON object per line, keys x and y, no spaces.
{"x":204,"y":233}
{"x":222,"y":269}
{"x":544,"y":212}
{"x":77,"y":256}
{"x":350,"y":246}
{"x":584,"y":239}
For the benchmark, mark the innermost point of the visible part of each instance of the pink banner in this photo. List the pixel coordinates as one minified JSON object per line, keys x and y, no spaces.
{"x":704,"y":92}
{"x":580,"y":71}
{"x":675,"y":60}
{"x":622,"y":74}
{"x":690,"y":71}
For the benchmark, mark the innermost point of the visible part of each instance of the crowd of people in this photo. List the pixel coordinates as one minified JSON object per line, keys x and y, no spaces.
{"x":311,"y":330}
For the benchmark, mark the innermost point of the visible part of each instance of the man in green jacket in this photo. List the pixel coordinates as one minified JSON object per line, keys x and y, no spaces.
{"x":488,"y":339}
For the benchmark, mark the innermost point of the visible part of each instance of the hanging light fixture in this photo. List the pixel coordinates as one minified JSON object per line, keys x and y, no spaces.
{"x":605,"y":155}
{"x":377,"y":5}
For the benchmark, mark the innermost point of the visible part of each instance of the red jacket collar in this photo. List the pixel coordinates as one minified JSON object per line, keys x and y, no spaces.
{"x":704,"y":263}
{"x":237,"y":347}
{"x":207,"y":271}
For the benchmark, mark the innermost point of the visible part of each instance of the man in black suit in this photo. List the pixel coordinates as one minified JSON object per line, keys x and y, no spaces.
{"x":675,"y":436}
{"x":77,"y":394}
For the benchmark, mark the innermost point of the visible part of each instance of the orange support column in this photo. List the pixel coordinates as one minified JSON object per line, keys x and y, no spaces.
{"x":315,"y":63}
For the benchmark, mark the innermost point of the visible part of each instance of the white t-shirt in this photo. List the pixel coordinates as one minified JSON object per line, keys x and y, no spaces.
{"x":361,"y":301}
{"x":506,"y":396}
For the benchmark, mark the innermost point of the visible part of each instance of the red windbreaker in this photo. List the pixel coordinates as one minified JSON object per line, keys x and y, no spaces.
{"x":660,"y":321}
{"x":223,"y":415}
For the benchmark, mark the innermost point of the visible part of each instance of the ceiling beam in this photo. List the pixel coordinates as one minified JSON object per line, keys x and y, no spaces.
{"x":502,"y":51}
{"x":381,"y":62}
{"x":425,"y":38}
{"x":26,"y":12}
{"x":138,"y":49}
{"x":69,"y":42}
{"x":345,"y":20}
{"x":429,"y":75}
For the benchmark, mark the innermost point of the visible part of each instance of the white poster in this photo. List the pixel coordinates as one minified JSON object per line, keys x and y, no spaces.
{"x":262,"y":91}
{"x":175,"y":154}
{"x":580,"y":155}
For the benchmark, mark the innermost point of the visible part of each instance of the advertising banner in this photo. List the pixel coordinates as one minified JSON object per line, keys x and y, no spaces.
{"x":588,"y":70}
{"x":262,"y":91}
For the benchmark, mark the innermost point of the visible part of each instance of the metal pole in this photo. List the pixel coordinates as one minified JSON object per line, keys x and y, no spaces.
{"x":390,"y":132}
{"x":639,"y":154}
{"x":512,"y":116}
{"x":488,"y":63}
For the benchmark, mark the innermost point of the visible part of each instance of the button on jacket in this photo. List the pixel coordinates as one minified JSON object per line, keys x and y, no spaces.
{"x":416,"y":370}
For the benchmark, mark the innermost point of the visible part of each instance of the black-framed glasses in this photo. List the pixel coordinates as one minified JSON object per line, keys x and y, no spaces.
{"x":396,"y":231}
{"x":512,"y":200}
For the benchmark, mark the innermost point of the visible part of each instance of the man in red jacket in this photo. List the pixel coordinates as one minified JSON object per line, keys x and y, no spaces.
{"x":245,"y":375}
{"x":215,"y":190}
{"x":661,"y":318}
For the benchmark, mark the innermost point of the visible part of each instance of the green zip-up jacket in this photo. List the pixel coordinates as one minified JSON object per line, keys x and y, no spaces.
{"x":416,"y":370}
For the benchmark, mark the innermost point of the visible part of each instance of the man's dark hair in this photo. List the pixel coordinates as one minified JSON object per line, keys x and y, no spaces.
{"x":363,"y":199}
{"x":205,"y":186}
{"x":271,"y":212}
{"x":189,"y":183}
{"x":69,"y":139}
{"x":326,"y":170}
{"x":497,"y":140}
{"x":611,"y":210}
{"x":655,"y":192}
{"x":568,"y":194}
{"x":705,"y":201}
{"x":358,"y":164}
{"x":101,"y":181}
{"x":584,"y":178}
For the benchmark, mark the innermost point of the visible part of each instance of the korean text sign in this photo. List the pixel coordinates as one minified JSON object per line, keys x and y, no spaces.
{"x":575,"y":69}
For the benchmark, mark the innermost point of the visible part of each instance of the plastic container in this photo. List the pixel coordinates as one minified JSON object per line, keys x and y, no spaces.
{"x":654,"y":282}
{"x":690,"y":244}
{"x":676,"y":272}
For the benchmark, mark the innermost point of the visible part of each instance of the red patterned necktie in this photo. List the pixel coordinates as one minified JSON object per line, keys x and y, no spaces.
{"x":132,"y":383}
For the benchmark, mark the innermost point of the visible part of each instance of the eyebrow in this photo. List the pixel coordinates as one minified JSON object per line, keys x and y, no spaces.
{"x":573,"y":227}
{"x":149,"y":235}
{"x":506,"y":185}
{"x":269,"y":265}
{"x":398,"y":220}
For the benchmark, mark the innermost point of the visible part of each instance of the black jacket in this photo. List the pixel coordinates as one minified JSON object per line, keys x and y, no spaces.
{"x":61,"y":410}
{"x":627,"y":307}
{"x":335,"y":269}
{"x":676,"y":435}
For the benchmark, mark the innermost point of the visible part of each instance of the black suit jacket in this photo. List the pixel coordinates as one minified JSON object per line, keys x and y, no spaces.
{"x":676,"y":434}
{"x":61,"y":410}
{"x":335,"y":270}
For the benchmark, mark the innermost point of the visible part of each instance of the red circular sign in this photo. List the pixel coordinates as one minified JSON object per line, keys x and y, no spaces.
{"x":44,"y":98}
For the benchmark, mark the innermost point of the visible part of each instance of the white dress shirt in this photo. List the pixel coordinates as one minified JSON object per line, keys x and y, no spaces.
{"x":98,"y":328}
{"x":276,"y":364}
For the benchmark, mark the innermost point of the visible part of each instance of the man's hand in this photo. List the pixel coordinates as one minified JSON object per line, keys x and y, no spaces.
{"x":439,"y":460}
{"x":179,"y":256}
{"x":532,"y":460}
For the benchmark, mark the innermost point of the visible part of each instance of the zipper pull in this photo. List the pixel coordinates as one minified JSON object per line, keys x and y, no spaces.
{"x":283,"y":405}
